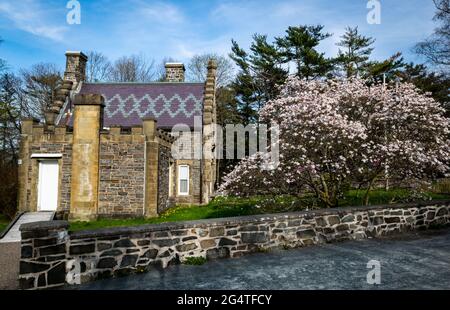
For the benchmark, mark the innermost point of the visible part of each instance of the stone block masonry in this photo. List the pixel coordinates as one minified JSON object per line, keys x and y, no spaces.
{"x":43,"y":254}
{"x":164,"y":160}
{"x":122,"y":174}
{"x":85,"y":156}
{"x":90,"y":255}
{"x":117,"y":173}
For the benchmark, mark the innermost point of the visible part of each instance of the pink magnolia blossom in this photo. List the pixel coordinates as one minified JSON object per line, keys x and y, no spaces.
{"x":339,"y":132}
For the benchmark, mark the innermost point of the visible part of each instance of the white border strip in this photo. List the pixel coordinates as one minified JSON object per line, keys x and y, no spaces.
{"x":46,"y":155}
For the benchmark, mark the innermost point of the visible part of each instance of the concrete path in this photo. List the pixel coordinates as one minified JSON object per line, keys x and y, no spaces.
{"x":13,"y":234}
{"x":10,"y":249}
{"x":9,"y":265}
{"x":413,"y":261}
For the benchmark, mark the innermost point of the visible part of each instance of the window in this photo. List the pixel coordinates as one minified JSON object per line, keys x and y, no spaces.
{"x":183,"y":180}
{"x":171,"y":181}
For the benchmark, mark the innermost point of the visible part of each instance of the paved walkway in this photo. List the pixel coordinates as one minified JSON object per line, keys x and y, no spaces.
{"x":415,"y":261}
{"x":9,"y":265}
{"x":13,"y":234}
{"x":10,"y":249}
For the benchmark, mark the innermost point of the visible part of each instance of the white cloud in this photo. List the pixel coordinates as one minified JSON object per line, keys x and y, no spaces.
{"x":26,"y":15}
{"x":181,"y":29}
{"x":159,"y":12}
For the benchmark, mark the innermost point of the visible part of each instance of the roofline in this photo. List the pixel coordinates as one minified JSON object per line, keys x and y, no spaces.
{"x":143,"y":83}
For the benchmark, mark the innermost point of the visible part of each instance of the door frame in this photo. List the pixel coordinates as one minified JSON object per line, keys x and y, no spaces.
{"x":36,"y":159}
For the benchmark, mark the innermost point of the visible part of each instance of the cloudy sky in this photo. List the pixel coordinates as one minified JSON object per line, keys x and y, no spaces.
{"x":37,"y":31}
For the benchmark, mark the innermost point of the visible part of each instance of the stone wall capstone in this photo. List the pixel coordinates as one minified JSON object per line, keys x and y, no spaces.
{"x":91,"y":255}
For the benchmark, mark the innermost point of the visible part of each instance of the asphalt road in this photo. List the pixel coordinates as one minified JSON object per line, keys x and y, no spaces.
{"x":414,"y":261}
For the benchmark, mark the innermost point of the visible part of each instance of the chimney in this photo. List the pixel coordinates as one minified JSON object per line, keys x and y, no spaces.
{"x":75,"y":68}
{"x":174,"y":72}
{"x":209,"y":104}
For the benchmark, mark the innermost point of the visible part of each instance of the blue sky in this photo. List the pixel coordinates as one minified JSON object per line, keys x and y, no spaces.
{"x":36,"y":31}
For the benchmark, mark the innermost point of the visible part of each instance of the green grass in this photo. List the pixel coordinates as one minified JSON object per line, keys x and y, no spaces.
{"x":235,"y":206}
{"x":4,"y":221}
{"x":197,"y":260}
{"x":381,"y":196}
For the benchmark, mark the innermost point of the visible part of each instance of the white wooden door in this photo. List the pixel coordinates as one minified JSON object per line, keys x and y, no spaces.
{"x":48,"y":185}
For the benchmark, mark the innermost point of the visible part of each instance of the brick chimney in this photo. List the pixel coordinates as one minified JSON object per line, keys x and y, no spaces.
{"x":175,"y":72}
{"x":75,"y":68}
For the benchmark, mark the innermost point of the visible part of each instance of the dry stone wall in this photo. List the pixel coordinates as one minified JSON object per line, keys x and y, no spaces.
{"x":43,"y":254}
{"x":103,"y":253}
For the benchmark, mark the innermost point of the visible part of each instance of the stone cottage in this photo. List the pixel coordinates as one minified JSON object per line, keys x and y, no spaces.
{"x":105,"y":148}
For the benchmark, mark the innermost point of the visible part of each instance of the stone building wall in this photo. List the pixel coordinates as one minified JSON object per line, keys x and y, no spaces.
{"x":65,"y":166}
{"x":121,"y":169}
{"x":164,"y":161}
{"x":38,"y":141}
{"x":122,"y":175}
{"x":92,"y":255}
{"x":189,"y":152}
{"x":194,"y":196}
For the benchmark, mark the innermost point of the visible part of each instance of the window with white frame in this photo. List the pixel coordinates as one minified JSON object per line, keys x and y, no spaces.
{"x":183,"y":180}
{"x":171,"y":181}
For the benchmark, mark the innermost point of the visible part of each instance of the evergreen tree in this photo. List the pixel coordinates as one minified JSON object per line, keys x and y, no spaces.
{"x":356,"y":51}
{"x":299,"y":46}
{"x":259,"y":76}
{"x":386,"y":70}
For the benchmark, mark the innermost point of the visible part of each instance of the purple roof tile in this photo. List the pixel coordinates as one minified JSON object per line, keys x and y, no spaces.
{"x":126,"y":104}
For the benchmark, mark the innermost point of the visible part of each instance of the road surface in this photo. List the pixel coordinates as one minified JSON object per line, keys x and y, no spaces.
{"x":413,"y":261}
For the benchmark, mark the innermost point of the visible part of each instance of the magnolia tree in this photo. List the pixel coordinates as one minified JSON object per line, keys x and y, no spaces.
{"x":342,"y":132}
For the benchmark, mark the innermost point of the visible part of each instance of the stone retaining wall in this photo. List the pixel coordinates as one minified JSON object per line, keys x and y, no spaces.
{"x":90,"y":255}
{"x":43,"y":254}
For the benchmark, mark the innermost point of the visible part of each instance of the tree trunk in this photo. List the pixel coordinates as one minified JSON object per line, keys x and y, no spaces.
{"x":369,"y":188}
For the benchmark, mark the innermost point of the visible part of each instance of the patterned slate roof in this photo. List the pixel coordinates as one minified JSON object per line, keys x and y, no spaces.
{"x":126,"y":104}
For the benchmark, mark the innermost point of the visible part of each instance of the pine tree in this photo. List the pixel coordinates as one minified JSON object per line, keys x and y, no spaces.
{"x":386,"y":70}
{"x":356,"y":52}
{"x":259,"y":76}
{"x":299,"y":46}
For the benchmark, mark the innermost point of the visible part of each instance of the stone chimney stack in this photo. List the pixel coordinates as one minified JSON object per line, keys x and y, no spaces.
{"x":209,"y":135}
{"x":175,"y":72}
{"x":75,"y":68}
{"x":209,"y":106}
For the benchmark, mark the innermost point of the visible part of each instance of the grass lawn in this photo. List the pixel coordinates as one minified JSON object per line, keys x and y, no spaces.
{"x":234,"y":206}
{"x":4,"y":221}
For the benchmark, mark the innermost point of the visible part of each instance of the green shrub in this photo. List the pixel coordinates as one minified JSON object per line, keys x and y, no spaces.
{"x":194,"y":260}
{"x":442,"y":186}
